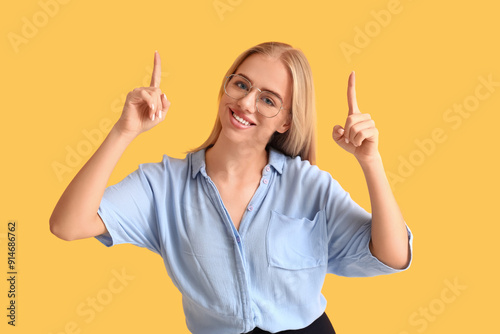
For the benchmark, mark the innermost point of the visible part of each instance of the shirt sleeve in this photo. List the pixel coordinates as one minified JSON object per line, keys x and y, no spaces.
{"x":129,"y":212}
{"x":349,"y":234}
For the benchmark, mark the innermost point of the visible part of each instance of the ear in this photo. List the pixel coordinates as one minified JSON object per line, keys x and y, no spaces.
{"x":285,"y":126}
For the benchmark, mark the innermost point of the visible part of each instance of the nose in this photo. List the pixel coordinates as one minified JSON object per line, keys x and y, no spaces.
{"x":248,"y":103}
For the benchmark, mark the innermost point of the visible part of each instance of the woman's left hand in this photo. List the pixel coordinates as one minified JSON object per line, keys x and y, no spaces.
{"x":359,"y":136}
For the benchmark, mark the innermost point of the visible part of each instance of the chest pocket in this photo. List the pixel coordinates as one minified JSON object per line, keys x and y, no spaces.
{"x":296,"y":243}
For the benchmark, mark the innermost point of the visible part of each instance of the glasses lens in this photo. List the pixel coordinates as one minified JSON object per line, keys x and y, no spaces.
{"x":237,"y":86}
{"x":268,"y":104}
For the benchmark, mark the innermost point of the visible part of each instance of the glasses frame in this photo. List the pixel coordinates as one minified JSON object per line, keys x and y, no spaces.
{"x":249,"y":90}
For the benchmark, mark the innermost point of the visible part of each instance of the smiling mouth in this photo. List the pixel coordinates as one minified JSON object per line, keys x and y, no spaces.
{"x":241,"y":120}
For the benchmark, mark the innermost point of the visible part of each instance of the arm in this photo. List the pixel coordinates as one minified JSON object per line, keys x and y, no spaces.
{"x":75,"y":215}
{"x":389,"y":241}
{"x":389,"y":238}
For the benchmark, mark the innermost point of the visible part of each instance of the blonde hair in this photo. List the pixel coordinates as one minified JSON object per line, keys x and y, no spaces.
{"x":300,"y":138}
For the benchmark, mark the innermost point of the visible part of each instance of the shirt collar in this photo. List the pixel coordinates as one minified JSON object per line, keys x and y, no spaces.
{"x":276,"y":159}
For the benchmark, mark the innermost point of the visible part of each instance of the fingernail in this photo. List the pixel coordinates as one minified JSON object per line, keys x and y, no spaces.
{"x":153,"y":118}
{"x":347,"y":141}
{"x":160,"y":114}
{"x":341,"y":131}
{"x":153,"y":107}
{"x":165,"y":96}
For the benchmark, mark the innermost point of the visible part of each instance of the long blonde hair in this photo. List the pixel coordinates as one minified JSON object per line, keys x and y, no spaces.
{"x":300,"y":139}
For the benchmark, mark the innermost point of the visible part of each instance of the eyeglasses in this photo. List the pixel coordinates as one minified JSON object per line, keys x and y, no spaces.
{"x":267,"y":103}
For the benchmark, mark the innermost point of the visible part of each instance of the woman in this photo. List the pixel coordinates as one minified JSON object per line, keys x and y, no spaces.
{"x":247,"y":225}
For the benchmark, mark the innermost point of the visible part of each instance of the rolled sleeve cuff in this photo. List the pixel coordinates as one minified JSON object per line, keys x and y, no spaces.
{"x":367,"y":265}
{"x":109,"y":238}
{"x":384,"y":268}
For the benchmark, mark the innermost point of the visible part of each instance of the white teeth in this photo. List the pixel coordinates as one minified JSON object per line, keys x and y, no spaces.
{"x":241,"y":120}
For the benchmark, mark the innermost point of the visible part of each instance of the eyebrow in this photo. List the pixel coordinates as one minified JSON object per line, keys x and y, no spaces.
{"x":275,"y":93}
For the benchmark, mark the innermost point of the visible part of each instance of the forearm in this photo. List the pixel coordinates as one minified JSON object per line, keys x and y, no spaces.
{"x":389,"y":238}
{"x":80,"y":201}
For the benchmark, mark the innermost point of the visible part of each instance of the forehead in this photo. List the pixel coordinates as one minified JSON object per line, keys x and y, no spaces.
{"x":267,"y":73}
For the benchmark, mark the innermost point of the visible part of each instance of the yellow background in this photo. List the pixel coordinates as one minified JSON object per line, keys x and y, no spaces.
{"x":73,"y":73}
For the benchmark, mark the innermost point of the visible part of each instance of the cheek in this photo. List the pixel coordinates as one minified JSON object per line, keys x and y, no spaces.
{"x":222,"y":106}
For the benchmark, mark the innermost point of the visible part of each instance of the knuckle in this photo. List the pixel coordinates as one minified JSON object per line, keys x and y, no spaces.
{"x":144,"y":95}
{"x":157,"y":93}
{"x":155,"y":90}
{"x":355,"y":128}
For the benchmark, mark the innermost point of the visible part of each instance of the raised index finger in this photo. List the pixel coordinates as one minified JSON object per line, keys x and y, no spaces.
{"x":351,"y":94}
{"x":156,"y":76}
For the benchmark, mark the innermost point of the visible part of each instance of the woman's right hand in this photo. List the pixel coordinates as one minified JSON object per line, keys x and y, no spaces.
{"x":145,"y":106}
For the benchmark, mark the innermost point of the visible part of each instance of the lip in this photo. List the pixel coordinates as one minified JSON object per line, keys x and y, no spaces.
{"x":252,"y":123}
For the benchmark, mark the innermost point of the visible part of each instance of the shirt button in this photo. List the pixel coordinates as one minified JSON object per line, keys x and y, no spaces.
{"x":265,"y":181}
{"x":238,"y":239}
{"x":250,"y":208}
{"x":268,"y":168}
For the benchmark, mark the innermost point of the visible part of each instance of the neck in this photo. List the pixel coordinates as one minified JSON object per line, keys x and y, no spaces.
{"x":228,"y":161}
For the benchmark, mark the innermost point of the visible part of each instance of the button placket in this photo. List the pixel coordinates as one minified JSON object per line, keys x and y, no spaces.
{"x":241,"y":276}
{"x":253,"y":206}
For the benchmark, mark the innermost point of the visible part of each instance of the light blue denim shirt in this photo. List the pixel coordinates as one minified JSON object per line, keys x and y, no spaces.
{"x":299,"y":225}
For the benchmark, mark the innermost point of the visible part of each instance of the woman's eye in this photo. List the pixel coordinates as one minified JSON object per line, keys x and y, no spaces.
{"x":241,"y":85}
{"x":268,"y":101}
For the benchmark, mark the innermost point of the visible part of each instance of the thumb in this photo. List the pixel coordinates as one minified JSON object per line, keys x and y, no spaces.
{"x":338,"y":132}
